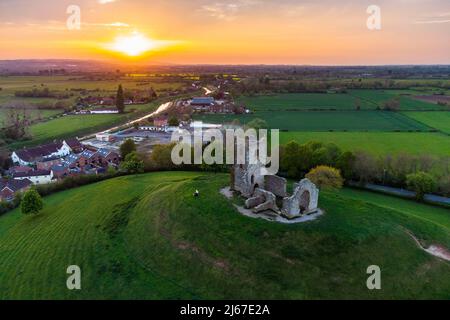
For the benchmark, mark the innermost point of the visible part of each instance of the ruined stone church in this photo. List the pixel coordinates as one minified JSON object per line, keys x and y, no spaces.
{"x":268,"y":193}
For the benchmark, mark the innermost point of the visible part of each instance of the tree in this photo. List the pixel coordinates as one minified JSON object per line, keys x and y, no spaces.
{"x":257,"y":124}
{"x":392,"y":104}
{"x":120,"y":101}
{"x":153,"y":94}
{"x":421,"y":183}
{"x":325,"y":177}
{"x":162,"y":156}
{"x":31,"y":202}
{"x":132,"y":163}
{"x":290,"y":156}
{"x":358,"y":104}
{"x":17,"y":121}
{"x":173,"y":121}
{"x":345,"y":164}
{"x":364,"y":167}
{"x":127,"y":147}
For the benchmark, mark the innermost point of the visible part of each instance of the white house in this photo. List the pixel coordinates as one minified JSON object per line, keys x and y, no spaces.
{"x":104,"y":111}
{"x":36,"y":176}
{"x":106,"y":137}
{"x":26,"y":157}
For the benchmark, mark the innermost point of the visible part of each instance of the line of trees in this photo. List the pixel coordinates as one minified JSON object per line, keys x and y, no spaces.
{"x":420,"y":173}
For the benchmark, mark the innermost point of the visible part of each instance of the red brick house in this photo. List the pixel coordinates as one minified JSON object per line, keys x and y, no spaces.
{"x":160,"y":121}
{"x":9,"y":188}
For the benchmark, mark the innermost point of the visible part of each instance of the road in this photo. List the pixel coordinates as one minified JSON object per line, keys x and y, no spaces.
{"x":163,"y":107}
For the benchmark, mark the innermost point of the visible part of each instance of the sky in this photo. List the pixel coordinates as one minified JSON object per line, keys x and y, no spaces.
{"x":304,"y":32}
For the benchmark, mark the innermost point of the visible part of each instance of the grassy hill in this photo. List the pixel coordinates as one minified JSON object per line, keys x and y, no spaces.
{"x":147,"y":237}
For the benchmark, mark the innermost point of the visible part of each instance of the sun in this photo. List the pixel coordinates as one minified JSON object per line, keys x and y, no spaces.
{"x":133,"y":45}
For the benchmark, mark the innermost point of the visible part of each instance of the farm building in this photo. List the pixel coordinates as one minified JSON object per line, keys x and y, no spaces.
{"x":200,"y":104}
{"x":105,"y":111}
{"x":36,"y":176}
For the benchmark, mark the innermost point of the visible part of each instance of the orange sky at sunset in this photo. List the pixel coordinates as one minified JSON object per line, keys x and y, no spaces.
{"x":235,"y":31}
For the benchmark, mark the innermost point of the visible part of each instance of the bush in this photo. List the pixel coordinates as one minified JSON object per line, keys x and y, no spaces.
{"x":132,"y":164}
{"x":173,"y":122}
{"x":325,"y":177}
{"x":421,"y":183}
{"x":127,"y":147}
{"x":31,"y":202}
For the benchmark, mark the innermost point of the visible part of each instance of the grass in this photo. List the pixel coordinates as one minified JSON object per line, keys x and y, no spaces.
{"x":377,"y":97}
{"x":303,"y":101}
{"x":369,"y":100}
{"x":326,"y":120}
{"x":146,"y":237}
{"x":34,"y":114}
{"x":378,"y":143}
{"x":437,"y":120}
{"x":78,"y":125}
{"x":10,"y":84}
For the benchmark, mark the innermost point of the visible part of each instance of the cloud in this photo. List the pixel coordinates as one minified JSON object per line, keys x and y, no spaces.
{"x":105,"y":1}
{"x":431,"y":21}
{"x":109,"y":25}
{"x":442,"y":17}
{"x":227,"y":10}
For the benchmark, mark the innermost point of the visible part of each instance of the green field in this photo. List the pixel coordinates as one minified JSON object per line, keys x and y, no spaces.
{"x":407,"y":102}
{"x":76,"y":125}
{"x":326,"y":120}
{"x":378,"y":143}
{"x":35,"y":114}
{"x":437,"y":120}
{"x":146,"y":237}
{"x":10,"y":84}
{"x":303,"y":101}
{"x":369,"y":100}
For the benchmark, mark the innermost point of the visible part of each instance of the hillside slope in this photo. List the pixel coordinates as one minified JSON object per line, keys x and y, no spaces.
{"x":147,"y":237}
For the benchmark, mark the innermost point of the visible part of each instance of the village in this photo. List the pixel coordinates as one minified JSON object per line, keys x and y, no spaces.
{"x":94,"y":155}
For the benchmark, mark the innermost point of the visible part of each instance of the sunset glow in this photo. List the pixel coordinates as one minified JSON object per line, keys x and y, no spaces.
{"x":132,"y":45}
{"x":223,"y":32}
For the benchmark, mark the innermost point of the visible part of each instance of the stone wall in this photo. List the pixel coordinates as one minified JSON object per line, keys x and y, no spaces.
{"x":303,"y":201}
{"x":276,"y":185}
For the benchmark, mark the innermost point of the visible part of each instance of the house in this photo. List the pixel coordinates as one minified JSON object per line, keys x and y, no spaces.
{"x":201,"y":104}
{"x":107,"y":101}
{"x":74,"y":144}
{"x":105,"y":111}
{"x":46,"y":164}
{"x":35,"y":176}
{"x":108,"y":157}
{"x":29,"y":156}
{"x":105,"y":137}
{"x":202,"y":101}
{"x":88,"y":157}
{"x":60,"y":171}
{"x":9,"y":188}
{"x":19,"y":169}
{"x":160,"y":121}
{"x":71,"y":161}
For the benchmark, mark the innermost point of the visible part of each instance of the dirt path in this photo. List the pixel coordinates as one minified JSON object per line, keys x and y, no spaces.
{"x":435,"y":250}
